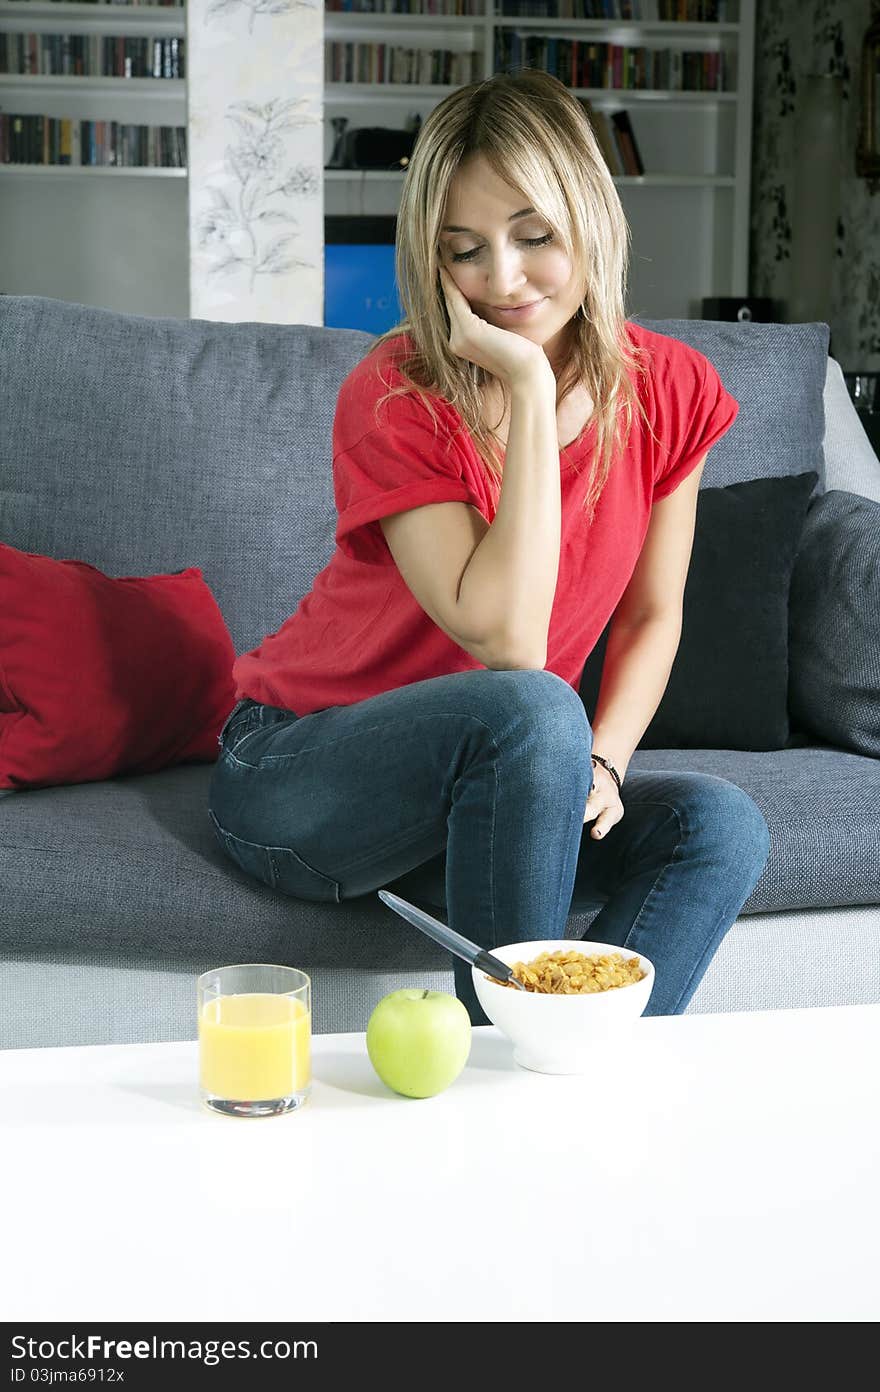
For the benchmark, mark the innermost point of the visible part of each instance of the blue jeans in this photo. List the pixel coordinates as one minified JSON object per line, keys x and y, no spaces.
{"x":466,"y":794}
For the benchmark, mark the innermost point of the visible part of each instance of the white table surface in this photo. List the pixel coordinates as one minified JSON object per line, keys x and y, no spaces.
{"x":713,"y":1167}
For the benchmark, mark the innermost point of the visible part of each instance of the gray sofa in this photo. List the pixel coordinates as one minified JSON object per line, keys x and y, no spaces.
{"x":145,"y":445}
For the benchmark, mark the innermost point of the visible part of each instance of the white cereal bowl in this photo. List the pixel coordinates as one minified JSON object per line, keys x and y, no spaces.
{"x":556,"y":1034}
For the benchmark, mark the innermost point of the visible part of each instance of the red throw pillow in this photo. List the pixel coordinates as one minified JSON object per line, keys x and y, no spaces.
{"x":101,"y":677}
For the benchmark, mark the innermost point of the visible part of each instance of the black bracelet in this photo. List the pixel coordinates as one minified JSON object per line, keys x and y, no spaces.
{"x":606,"y":764}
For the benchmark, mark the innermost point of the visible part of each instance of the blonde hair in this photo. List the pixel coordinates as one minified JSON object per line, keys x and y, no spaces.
{"x":538,"y":139}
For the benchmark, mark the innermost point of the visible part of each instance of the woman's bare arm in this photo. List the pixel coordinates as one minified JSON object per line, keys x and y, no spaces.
{"x":508,"y":586}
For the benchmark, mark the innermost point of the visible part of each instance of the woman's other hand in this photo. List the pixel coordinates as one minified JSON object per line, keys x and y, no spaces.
{"x":603,"y":804}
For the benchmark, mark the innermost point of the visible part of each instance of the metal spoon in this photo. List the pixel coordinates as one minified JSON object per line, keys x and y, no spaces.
{"x":448,"y":938}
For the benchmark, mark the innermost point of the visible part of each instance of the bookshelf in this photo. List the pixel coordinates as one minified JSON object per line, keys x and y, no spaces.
{"x":689,"y":210}
{"x":65,"y":231}
{"x":39,"y":41}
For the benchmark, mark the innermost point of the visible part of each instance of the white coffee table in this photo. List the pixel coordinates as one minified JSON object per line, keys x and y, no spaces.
{"x":713,"y":1167}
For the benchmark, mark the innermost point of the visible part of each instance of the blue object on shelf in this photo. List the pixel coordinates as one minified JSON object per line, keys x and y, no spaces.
{"x":360,"y":287}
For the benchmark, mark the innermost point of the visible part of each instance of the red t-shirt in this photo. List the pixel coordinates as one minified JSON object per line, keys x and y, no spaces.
{"x":360,"y":631}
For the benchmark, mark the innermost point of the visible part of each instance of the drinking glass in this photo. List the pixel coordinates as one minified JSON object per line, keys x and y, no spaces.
{"x":863,"y":390}
{"x":255,"y":1025}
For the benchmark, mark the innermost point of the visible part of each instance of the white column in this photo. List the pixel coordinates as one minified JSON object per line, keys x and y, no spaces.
{"x":255,"y":154}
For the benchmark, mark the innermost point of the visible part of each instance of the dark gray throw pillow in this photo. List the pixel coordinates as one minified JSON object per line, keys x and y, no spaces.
{"x":834,"y":623}
{"x":728,"y":688}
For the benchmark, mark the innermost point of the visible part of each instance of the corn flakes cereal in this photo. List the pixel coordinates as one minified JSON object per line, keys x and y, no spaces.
{"x":571,"y":973}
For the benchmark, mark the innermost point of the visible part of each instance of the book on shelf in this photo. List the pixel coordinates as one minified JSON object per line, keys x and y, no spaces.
{"x":626,"y":140}
{"x":604,"y":136}
{"x":615,"y":138}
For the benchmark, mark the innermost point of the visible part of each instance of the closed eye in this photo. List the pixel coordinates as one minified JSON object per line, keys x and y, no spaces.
{"x":527,"y":241}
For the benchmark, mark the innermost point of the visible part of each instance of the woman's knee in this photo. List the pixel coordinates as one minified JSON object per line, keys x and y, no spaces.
{"x":724,"y":819}
{"x":542,"y":701}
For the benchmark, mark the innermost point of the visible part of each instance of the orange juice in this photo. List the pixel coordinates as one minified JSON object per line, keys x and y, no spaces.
{"x":254,"y":1047}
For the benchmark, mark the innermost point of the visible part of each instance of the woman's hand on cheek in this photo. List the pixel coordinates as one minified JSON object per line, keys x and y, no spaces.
{"x":505,"y":354}
{"x":603,"y":804}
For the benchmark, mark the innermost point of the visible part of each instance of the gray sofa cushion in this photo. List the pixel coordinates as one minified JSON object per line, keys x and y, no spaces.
{"x":822,"y":808}
{"x":143,"y":445}
{"x":850,"y":461}
{"x":133,"y":864}
{"x":777,"y":374}
{"x":834,"y":619}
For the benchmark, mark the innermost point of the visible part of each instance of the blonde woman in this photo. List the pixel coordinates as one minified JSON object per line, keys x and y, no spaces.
{"x":514,"y":464}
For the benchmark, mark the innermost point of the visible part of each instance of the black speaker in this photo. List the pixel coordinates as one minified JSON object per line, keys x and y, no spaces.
{"x":376,"y":147}
{"x":744,"y":309}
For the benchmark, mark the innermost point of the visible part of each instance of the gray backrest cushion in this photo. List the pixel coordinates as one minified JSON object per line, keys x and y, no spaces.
{"x":834,"y":623}
{"x":850,"y":461}
{"x":144,"y":445}
{"x":777,"y":374}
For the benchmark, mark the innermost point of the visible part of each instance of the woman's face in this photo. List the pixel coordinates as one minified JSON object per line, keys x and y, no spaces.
{"x":502,"y":254}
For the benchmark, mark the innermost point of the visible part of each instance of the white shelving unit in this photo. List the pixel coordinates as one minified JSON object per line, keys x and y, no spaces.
{"x":66,"y":230}
{"x":689,"y":213}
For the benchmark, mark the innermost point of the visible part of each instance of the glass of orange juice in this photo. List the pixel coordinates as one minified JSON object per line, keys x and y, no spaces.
{"x":255,"y":1029}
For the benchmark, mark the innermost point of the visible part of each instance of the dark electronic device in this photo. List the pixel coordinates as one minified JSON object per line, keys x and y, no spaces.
{"x":743,"y":309}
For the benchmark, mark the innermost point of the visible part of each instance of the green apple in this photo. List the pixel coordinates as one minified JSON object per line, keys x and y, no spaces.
{"x":419,"y":1040}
